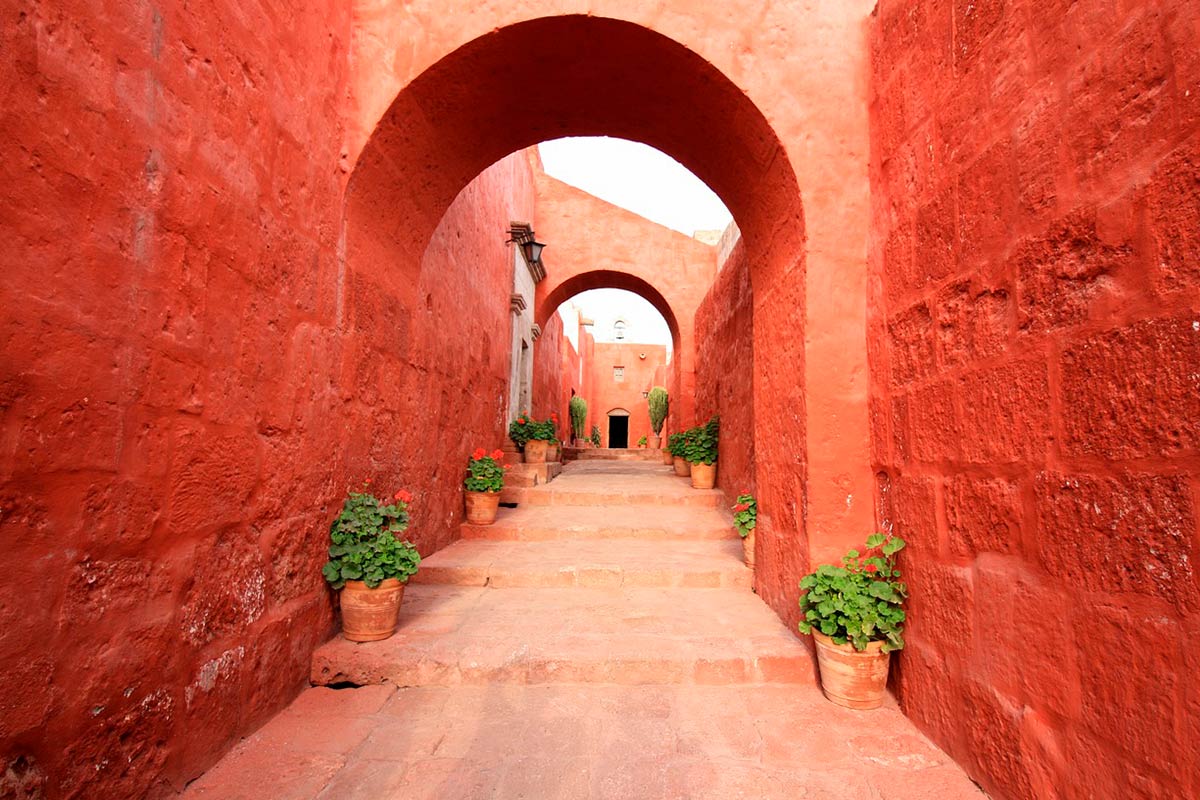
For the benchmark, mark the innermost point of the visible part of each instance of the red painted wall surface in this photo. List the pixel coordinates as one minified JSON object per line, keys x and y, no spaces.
{"x":1035,"y":349}
{"x":190,"y":382}
{"x":725,"y":386}
{"x":551,"y":376}
{"x":608,"y":394}
{"x":169,"y":397}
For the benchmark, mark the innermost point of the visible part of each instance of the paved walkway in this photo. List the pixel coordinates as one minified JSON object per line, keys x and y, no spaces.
{"x":599,"y":641}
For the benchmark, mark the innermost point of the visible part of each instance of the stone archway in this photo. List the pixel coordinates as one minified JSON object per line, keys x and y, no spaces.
{"x":590,"y":75}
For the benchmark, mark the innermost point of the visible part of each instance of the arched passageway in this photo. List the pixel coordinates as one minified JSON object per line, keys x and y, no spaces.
{"x":586,"y":75}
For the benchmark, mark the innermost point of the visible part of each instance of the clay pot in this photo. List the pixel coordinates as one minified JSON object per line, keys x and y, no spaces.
{"x":369,"y":615}
{"x":668,"y":459}
{"x":748,"y":549}
{"x":482,"y":507}
{"x":552,"y":452}
{"x":682,"y":467}
{"x":704,"y":476}
{"x":535,"y":451}
{"x":581,"y":443}
{"x":849,"y":678}
{"x":655,"y":442}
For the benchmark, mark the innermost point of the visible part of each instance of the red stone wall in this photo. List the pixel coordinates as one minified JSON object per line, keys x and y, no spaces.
{"x":192,"y":379}
{"x":169,"y":386}
{"x":552,"y":378}
{"x":725,"y":372}
{"x":449,"y":357}
{"x":608,"y":393}
{"x":1034,"y":351}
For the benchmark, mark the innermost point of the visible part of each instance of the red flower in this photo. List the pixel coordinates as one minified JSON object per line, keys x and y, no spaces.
{"x":508,"y":466}
{"x":479,"y":453}
{"x":403,"y":496}
{"x":870,"y":567}
{"x":366,"y":480}
{"x":741,"y":506}
{"x":554,"y":416}
{"x":521,"y":421}
{"x":497,"y":454}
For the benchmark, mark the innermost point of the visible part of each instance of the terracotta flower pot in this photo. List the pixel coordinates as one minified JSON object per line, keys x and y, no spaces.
{"x":850,"y":678}
{"x":655,"y":442}
{"x":535,"y":451}
{"x":552,"y":452}
{"x":704,"y":476}
{"x":369,"y":615}
{"x":668,"y":459}
{"x":581,"y":443}
{"x":682,"y":467}
{"x":482,"y":507}
{"x":748,"y":549}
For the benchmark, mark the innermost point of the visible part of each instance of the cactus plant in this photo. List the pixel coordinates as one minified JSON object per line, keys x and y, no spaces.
{"x":659,"y":406}
{"x":578,"y":410}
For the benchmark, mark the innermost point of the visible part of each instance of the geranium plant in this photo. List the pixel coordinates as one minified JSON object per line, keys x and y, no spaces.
{"x":521,"y":429}
{"x":860,"y":601}
{"x":642,"y":442}
{"x":675,"y":444}
{"x":595,"y":435}
{"x":485,"y":472}
{"x":364,"y":541}
{"x":546,"y":431}
{"x":701,"y":442}
{"x":745,"y":514}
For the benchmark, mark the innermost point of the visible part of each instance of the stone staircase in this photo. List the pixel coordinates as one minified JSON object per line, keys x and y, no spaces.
{"x":599,"y":642}
{"x":618,"y":572}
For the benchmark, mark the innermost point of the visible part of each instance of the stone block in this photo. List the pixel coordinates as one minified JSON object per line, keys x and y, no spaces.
{"x":936,"y":238}
{"x":982,"y":515}
{"x":1065,"y":272}
{"x":1132,"y":392}
{"x":911,"y":351}
{"x":973,"y":322}
{"x":931,"y":430}
{"x":1172,"y":207}
{"x":1006,"y":413}
{"x":1126,"y":534}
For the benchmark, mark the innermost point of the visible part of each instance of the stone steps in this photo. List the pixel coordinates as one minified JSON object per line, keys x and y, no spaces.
{"x":645,"y":521}
{"x":561,"y":563}
{"x":450,"y":635}
{"x":612,"y":454}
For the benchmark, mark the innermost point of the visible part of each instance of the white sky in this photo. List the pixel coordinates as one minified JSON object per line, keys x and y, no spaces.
{"x":649,"y":183}
{"x":637,"y":177}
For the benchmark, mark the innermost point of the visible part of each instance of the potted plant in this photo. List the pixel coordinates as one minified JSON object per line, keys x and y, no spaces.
{"x":745,"y":517}
{"x":520,"y":430}
{"x":641,"y":442}
{"x":552,"y":449}
{"x":701,"y":453}
{"x":485,"y":479}
{"x":595,"y":436}
{"x":677,"y":444}
{"x":368,"y":564}
{"x":855,"y":615}
{"x":577,"y":408}
{"x":659,"y":406}
{"x":538,"y":443}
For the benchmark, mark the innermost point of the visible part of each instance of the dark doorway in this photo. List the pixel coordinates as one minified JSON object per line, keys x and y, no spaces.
{"x":618,"y":431}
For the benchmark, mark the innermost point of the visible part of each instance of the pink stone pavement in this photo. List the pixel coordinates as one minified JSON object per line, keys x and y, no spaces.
{"x":625,"y":657}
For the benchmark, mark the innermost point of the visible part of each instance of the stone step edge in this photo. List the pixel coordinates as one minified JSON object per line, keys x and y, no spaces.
{"x":735,"y":671}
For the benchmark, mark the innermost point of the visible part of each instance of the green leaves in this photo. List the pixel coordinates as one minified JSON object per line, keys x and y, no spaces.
{"x":364,"y":544}
{"x":745,"y":514}
{"x":484,"y":475}
{"x":860,"y":601}
{"x":577,"y":408}
{"x":659,"y":406}
{"x":699,"y":444}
